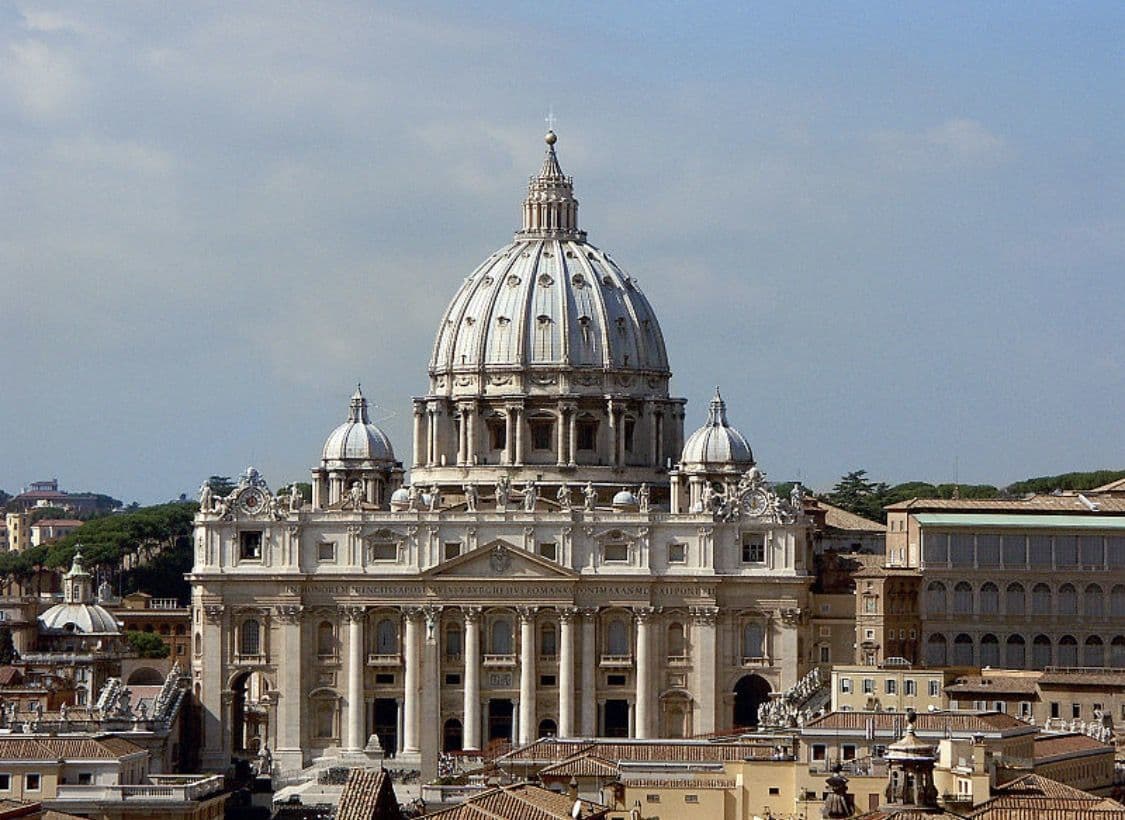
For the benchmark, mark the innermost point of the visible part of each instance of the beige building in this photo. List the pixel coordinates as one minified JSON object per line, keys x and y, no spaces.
{"x":1056,"y":698}
{"x":890,"y":687}
{"x":1023,"y":583}
{"x":564,"y":561}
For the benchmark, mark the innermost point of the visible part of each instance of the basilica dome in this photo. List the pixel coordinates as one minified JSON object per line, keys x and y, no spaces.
{"x":549,"y":302}
{"x":716,"y":444}
{"x":357,"y":439}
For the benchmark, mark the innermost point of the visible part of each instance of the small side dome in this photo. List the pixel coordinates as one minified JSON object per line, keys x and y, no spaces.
{"x":625,"y":500}
{"x":357,"y":439}
{"x":77,"y":614}
{"x":400,"y":499}
{"x":716,"y":444}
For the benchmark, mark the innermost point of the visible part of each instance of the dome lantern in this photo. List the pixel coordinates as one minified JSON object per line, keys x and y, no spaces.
{"x":550,"y":210}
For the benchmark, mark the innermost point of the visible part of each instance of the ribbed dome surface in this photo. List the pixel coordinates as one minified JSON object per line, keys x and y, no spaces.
{"x":716,"y":443}
{"x":549,"y":299}
{"x":357,"y":439}
{"x":78,"y":618}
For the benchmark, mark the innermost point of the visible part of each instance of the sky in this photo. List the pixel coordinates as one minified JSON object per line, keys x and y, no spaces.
{"x":893,"y":233}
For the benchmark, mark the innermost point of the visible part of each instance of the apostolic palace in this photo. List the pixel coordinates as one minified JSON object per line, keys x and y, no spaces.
{"x":564,"y":561}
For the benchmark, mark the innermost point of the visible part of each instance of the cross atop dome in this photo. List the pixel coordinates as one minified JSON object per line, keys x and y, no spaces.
{"x":357,"y":411}
{"x":550,"y":210}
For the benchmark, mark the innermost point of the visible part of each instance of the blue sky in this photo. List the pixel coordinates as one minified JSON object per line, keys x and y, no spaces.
{"x":893,"y":233}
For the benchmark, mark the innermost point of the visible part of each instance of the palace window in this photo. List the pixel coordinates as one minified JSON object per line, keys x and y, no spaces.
{"x":326,"y":551}
{"x":542,"y":431}
{"x":549,"y":550}
{"x":825,"y":654}
{"x":548,"y":641}
{"x":630,"y":430}
{"x":616,"y":551}
{"x":753,"y":548}
{"x":497,"y":433}
{"x":677,"y":553}
{"x":502,"y":637}
{"x":753,"y":641}
{"x":676,"y":643}
{"x":909,"y":687}
{"x":325,"y":722}
{"x":586,"y":431}
{"x":453,"y":642}
{"x":384,"y":551}
{"x":250,"y":546}
{"x":250,"y":638}
{"x":386,"y":637}
{"x":325,"y":640}
{"x":452,"y":549}
{"x":617,"y":638}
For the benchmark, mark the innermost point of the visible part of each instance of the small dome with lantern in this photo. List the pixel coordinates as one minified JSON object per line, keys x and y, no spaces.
{"x":716,"y":445}
{"x":78,"y":614}
{"x":357,"y":439}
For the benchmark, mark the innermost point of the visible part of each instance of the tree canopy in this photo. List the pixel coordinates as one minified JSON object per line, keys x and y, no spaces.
{"x":147,"y":644}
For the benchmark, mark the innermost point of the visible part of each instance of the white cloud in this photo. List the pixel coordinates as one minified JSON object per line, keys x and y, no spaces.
{"x":43,"y":81}
{"x":51,"y":22}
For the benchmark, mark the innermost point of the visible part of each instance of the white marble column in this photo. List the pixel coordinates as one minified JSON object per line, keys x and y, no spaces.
{"x":509,"y":435}
{"x":644,"y":616}
{"x":472,"y":720}
{"x":471,"y":427}
{"x":520,"y":448}
{"x":703,"y":657}
{"x":612,"y":434}
{"x":420,"y":445}
{"x":527,"y":675}
{"x":411,"y":692}
{"x":288,"y":752}
{"x":566,"y":673}
{"x":572,"y":436}
{"x":560,"y":438}
{"x":213,"y":669}
{"x":354,"y":739}
{"x":462,"y":437}
{"x":589,"y":671}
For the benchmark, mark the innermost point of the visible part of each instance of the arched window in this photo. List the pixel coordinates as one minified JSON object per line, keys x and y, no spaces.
{"x":1068,"y":600}
{"x":1041,"y":599}
{"x":676,"y":648}
{"x":990,"y":599}
{"x":198,"y":643}
{"x":963,"y":650}
{"x":753,"y":638}
{"x":1068,"y":651}
{"x":325,"y":640}
{"x":937,"y":650}
{"x":1015,"y":599}
{"x":1094,"y":654}
{"x":1117,"y":652}
{"x":453,"y":641}
{"x":935,"y":598}
{"x":548,"y":641}
{"x":989,"y":650}
{"x":963,"y":598}
{"x":1093,"y":602}
{"x":386,"y":637}
{"x":502,"y":637}
{"x":1015,"y":654}
{"x":617,"y":638}
{"x":1117,"y":601}
{"x":250,"y":638}
{"x":1041,"y":652}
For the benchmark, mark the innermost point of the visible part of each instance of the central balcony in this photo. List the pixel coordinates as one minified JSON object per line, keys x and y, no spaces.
{"x":384,"y":659}
{"x":499,"y":661}
{"x":616,"y":661}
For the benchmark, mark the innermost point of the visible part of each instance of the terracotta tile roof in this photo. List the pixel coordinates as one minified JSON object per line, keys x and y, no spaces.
{"x":926,"y":723}
{"x":1048,"y":747}
{"x":1083,"y":677}
{"x":909,"y":814}
{"x":521,"y":801}
{"x":1117,"y":486}
{"x":11,"y":809}
{"x":841,"y":519}
{"x":10,"y":675}
{"x":368,"y":795}
{"x":550,"y":750}
{"x":680,"y":783}
{"x":994,"y":684}
{"x":1038,"y":787}
{"x":872,"y":571}
{"x":584,"y":765}
{"x":73,"y":748}
{"x":58,"y":522}
{"x":1065,"y":503}
{"x":1033,"y":796}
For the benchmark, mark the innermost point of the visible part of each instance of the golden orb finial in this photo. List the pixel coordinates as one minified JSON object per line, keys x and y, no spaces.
{"x":551,"y":138}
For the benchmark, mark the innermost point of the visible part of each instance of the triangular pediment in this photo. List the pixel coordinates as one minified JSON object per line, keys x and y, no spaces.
{"x":499,"y":559}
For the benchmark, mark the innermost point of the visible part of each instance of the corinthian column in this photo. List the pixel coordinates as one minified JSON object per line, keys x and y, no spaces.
{"x":589,"y":666}
{"x":410,"y":684}
{"x":290,"y":663}
{"x":703,"y":666}
{"x":354,"y":739}
{"x":644,"y":617}
{"x":527,"y":675}
{"x":566,"y":673}
{"x":471,"y":724}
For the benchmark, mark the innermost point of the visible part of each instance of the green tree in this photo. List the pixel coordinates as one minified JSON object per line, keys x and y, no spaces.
{"x":1075,"y":482}
{"x":147,"y":644}
{"x":855,"y":493}
{"x":8,"y":653}
{"x":220,"y":484}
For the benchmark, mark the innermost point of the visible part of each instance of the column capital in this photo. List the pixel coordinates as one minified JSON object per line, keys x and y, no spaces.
{"x":213,"y":613}
{"x":353,"y":612}
{"x":590,"y":613}
{"x":645,"y":614}
{"x":412,"y":613}
{"x":471,"y":614}
{"x":288,"y":613}
{"x":704,"y":615}
{"x":526,"y":613}
{"x":568,"y":614}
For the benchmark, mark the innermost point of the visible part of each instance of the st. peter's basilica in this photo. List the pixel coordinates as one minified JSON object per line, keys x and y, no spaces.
{"x":562,"y":562}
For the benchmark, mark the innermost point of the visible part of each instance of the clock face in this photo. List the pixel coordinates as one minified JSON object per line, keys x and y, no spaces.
{"x":251,"y":501}
{"x":756,"y":502}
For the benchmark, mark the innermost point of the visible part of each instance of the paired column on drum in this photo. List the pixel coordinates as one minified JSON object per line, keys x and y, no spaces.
{"x":471,"y":724}
{"x":528,"y":723}
{"x":354,"y":739}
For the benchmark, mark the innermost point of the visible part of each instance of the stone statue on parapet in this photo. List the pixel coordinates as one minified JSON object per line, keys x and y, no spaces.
{"x":503,"y":489}
{"x":530,"y":495}
{"x":435,"y":497}
{"x":295,"y":498}
{"x":563,"y":496}
{"x":206,"y":498}
{"x":591,"y":496}
{"x":644,"y":498}
{"x":471,"y":497}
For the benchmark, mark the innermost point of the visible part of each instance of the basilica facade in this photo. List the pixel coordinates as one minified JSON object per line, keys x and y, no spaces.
{"x":562,"y":561}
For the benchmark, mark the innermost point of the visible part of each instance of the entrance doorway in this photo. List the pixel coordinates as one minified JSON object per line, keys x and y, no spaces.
{"x":616,"y":718}
{"x":250,"y":707}
{"x":499,"y":719}
{"x":452,"y":736}
{"x":386,"y":724}
{"x":750,"y":692}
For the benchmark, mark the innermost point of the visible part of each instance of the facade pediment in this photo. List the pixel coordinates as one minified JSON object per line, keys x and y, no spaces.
{"x":500,"y":559}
